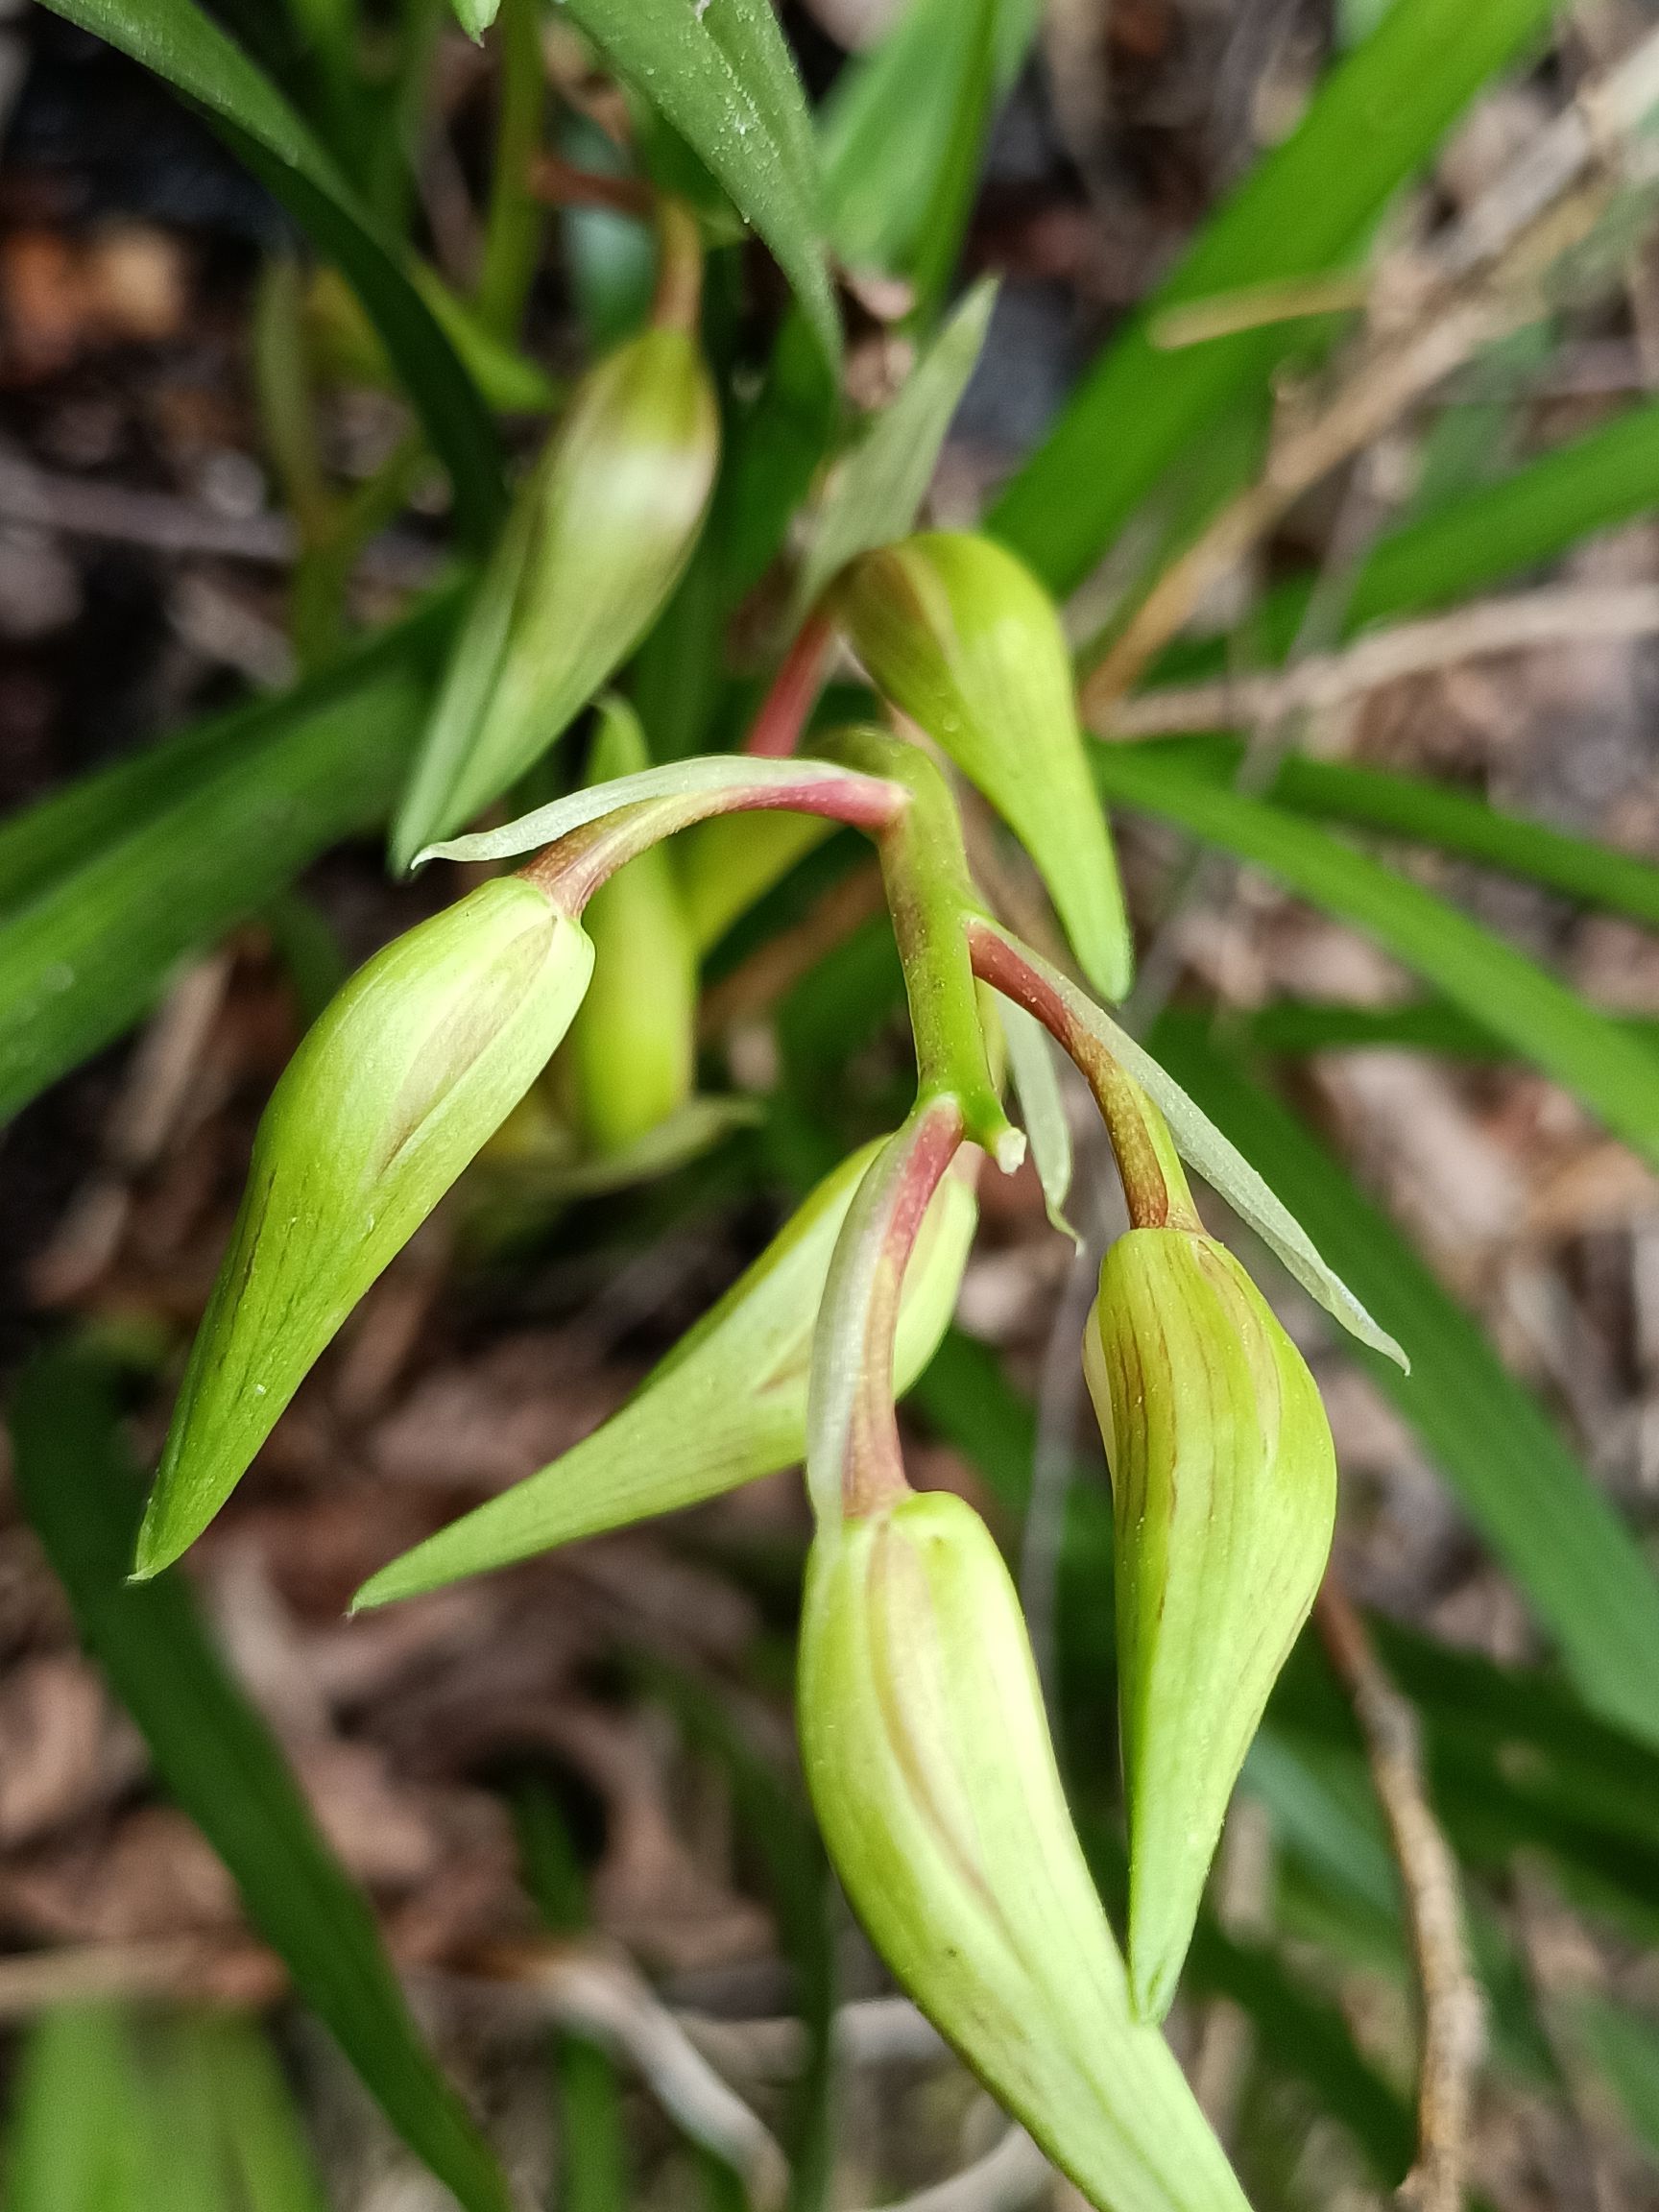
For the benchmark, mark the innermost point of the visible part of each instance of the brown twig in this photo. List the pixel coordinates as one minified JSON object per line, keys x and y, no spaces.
{"x":561,"y":184}
{"x":760,"y":982}
{"x":1566,"y":615}
{"x":1452,"y":2011}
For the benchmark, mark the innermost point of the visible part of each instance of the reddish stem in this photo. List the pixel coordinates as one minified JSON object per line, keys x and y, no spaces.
{"x":777,"y":728}
{"x":572,"y":868}
{"x":1157,"y":1194}
{"x":874,"y":1474}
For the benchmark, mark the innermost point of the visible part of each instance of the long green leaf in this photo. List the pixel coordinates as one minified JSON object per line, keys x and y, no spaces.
{"x":1297,"y":1025}
{"x":1374,"y":121}
{"x":221,"y":1765}
{"x":721,"y":74}
{"x":1426,"y":812}
{"x":1531,"y":1501}
{"x":179,"y":43}
{"x":72,"y":2137}
{"x":232,"y":815}
{"x":888,"y":127}
{"x":1611,"y":1073}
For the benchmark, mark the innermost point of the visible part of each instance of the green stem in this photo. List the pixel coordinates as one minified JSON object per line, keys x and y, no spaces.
{"x":931,"y":897}
{"x":515,"y":220}
{"x":679,"y":296}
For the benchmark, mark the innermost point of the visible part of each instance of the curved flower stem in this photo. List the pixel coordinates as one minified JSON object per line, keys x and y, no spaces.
{"x":573,"y":867}
{"x":854,"y":1461}
{"x":1154,"y":1182}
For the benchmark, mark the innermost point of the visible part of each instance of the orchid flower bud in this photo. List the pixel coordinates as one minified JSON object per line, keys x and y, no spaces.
{"x":962,"y":637}
{"x":634,"y":1041}
{"x":934,"y":1780}
{"x":727,"y":1404}
{"x":595,"y":542}
{"x":1224,"y":1489}
{"x":394,"y":1090}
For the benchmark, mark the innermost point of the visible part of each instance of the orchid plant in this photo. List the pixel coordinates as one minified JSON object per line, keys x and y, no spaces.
{"x":922,"y":1731}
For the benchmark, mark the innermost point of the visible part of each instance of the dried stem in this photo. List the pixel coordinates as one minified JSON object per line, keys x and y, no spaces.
{"x":1452,"y":2013}
{"x":1570,"y":614}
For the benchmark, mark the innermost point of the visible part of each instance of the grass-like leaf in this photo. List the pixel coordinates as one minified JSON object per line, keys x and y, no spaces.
{"x":722,"y":76}
{"x":1424,"y":812}
{"x":877,"y":489}
{"x":181,"y":43}
{"x":220,"y":1762}
{"x":1539,"y":1018}
{"x":188,"y":840}
{"x":894,"y":118}
{"x":1310,"y":204}
{"x":1568,"y":1551}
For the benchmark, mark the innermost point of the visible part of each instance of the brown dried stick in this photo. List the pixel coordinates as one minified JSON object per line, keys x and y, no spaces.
{"x":1452,"y":2013}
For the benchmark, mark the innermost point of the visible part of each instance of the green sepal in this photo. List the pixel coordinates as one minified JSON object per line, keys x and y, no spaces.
{"x":726,"y":1405}
{"x":634,"y":1044}
{"x":1225,"y":1495}
{"x":475,"y":16}
{"x":598,"y":537}
{"x":934,"y":1777}
{"x":393,"y":1090}
{"x":961,"y":638}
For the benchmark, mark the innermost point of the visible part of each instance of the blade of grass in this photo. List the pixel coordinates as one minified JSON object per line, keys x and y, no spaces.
{"x":888,"y":125}
{"x":879,"y":487}
{"x":264,"y":2142}
{"x":221,"y":821}
{"x":1607,"y":1070}
{"x":1374,"y":121}
{"x":181,"y":43}
{"x":1569,"y":1553}
{"x":1424,"y":812}
{"x":70,"y":2141}
{"x":221,"y":1764}
{"x":721,"y":74}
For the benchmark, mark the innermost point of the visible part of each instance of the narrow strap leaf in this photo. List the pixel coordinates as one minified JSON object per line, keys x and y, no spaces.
{"x":1601,"y":1065}
{"x":223,"y":1766}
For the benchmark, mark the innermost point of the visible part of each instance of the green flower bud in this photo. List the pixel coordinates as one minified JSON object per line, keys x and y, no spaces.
{"x":398,"y":1083}
{"x":634,"y":1041}
{"x":962,"y":637}
{"x":727,"y":1404}
{"x":1224,"y":1489}
{"x":934,"y":1781}
{"x":596,"y":540}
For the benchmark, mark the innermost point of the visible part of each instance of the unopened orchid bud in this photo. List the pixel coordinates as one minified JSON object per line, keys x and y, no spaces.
{"x":931,"y":1770}
{"x":596,"y":540}
{"x":727,"y":1404}
{"x":394,"y":1090}
{"x":634,"y":1041}
{"x":1224,"y":1489}
{"x":962,"y":638}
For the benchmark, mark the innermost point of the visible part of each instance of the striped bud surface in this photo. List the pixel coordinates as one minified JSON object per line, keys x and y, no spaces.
{"x":596,"y":540}
{"x":934,"y":1777}
{"x":394,"y":1090}
{"x":1224,"y":1497}
{"x":962,"y":637}
{"x":727,"y":1404}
